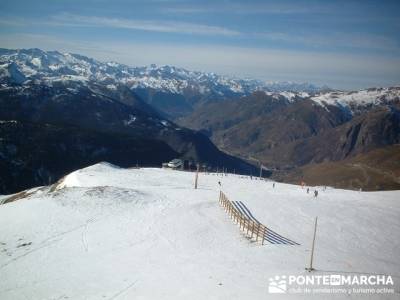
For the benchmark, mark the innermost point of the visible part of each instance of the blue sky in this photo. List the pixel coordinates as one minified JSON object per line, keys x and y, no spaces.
{"x":343,"y":44}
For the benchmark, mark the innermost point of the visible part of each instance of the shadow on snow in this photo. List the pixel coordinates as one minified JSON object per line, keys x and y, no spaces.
{"x":271,"y":236}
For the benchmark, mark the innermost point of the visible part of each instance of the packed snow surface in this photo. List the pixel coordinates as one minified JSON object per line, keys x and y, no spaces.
{"x":110,"y":233}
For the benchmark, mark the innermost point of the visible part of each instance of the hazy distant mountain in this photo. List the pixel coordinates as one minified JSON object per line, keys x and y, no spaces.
{"x":173,"y":91}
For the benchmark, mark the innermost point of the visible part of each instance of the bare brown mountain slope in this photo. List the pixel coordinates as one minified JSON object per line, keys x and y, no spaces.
{"x":301,"y":137}
{"x":286,"y":135}
{"x":375,"y":170}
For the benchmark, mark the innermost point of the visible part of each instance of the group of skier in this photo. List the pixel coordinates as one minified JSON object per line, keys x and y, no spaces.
{"x":308,"y":189}
{"x":302,"y":183}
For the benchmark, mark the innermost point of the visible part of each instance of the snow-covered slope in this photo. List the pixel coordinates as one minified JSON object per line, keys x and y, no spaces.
{"x":112,"y":233}
{"x":288,"y":96}
{"x":49,"y":66}
{"x":348,"y":100}
{"x":367,"y":97}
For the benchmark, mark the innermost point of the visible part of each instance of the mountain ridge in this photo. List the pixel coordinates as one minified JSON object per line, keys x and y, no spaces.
{"x":37,"y":60}
{"x":282,"y":129}
{"x":88,"y":122}
{"x":288,"y":134}
{"x":184,"y":89}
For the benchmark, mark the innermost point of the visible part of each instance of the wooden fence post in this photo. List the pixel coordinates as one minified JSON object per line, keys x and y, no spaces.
{"x":263,"y":236}
{"x":258,"y":229}
{"x":247,"y":225}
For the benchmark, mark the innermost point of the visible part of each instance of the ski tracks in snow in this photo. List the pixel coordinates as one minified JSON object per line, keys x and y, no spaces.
{"x":84,"y":234}
{"x":120,"y":292}
{"x":47,"y":242}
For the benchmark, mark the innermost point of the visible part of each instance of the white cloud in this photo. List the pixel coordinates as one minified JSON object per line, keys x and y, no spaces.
{"x":144,"y":25}
{"x":336,"y":40}
{"x":247,"y":8}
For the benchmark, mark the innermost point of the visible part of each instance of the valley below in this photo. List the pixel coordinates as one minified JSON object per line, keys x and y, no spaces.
{"x":62,"y":111}
{"x":314,"y":139}
{"x":199,"y":150}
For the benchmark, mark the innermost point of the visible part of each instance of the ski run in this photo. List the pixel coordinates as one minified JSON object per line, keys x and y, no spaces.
{"x":105,"y":232}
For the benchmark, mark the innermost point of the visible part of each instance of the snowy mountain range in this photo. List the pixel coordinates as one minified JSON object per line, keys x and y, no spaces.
{"x":48,"y":66}
{"x":284,"y":125}
{"x":174,"y":91}
{"x":367,"y":97}
{"x":351,"y":101}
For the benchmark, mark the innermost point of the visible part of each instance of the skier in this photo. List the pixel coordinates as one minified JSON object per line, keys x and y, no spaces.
{"x":273,"y":185}
{"x":308,"y":190}
{"x":315,"y":193}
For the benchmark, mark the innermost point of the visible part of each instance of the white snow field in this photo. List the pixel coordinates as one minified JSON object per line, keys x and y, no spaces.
{"x":111,"y":233}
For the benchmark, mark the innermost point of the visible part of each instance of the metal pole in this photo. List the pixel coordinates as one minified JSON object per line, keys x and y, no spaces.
{"x":312,"y":247}
{"x":260,"y":171}
{"x":197,"y":176}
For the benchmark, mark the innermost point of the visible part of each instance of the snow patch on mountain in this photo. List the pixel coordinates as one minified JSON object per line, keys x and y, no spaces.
{"x":11,"y":72}
{"x":131,"y":120}
{"x":374,"y":96}
{"x":50,"y":66}
{"x":289,"y":96}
